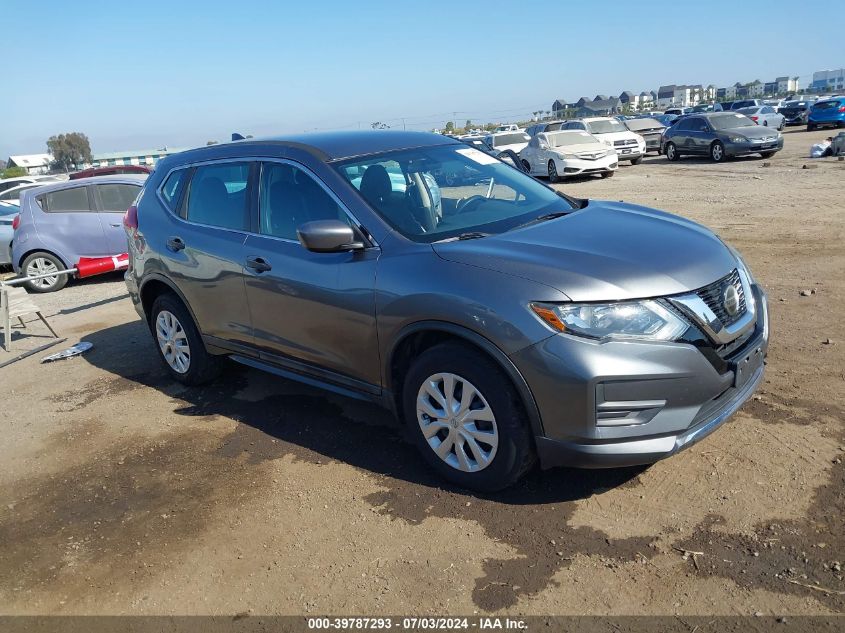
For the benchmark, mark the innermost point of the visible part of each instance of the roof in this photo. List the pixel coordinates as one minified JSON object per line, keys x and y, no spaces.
{"x":94,"y":180}
{"x":628,"y":94}
{"x":31,"y":160}
{"x":330,"y":146}
{"x":602,"y":104}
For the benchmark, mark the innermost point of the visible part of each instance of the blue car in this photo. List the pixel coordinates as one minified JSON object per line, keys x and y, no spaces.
{"x":828,"y":112}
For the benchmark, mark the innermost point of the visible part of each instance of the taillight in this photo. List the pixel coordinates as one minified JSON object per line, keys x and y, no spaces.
{"x":16,"y":222}
{"x":754,"y":118}
{"x":130,"y":218}
{"x":842,"y":108}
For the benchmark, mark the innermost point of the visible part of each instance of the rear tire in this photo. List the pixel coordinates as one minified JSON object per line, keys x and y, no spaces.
{"x":672,"y":152}
{"x":811,"y":127}
{"x":179,"y":343}
{"x":40,"y":263}
{"x":453,"y":397}
{"x":717,"y":152}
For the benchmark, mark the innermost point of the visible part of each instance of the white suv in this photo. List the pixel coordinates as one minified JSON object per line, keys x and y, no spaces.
{"x":613,"y":133}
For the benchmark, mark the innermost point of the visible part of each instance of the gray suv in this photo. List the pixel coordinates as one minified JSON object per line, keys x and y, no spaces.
{"x":504,"y":322}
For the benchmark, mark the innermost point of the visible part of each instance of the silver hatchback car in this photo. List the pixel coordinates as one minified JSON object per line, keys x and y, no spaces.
{"x":61,"y":222}
{"x":504,"y":322}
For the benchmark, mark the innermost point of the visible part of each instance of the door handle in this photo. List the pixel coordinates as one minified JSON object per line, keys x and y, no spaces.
{"x":175,"y":244}
{"x":258,"y":264}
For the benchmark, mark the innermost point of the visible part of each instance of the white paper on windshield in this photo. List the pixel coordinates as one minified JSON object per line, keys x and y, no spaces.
{"x":478,"y":156}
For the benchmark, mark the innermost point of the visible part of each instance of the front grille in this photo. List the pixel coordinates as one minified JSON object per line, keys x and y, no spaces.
{"x":624,"y":142}
{"x":713,"y":295}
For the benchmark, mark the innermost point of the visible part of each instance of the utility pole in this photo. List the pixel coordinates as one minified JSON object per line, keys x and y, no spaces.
{"x":403,"y":123}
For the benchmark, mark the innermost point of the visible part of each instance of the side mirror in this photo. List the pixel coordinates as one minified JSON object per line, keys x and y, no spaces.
{"x":543,"y":145}
{"x":328,"y":236}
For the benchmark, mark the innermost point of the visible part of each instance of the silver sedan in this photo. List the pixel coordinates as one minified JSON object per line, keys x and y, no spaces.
{"x":764,"y":115}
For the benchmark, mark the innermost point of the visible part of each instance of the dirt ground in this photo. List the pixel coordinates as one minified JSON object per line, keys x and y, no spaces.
{"x":124,"y":493}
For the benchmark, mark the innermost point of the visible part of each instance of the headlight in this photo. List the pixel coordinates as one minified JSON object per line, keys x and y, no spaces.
{"x":738,"y":139}
{"x":647,"y":320}
{"x":565,"y":156}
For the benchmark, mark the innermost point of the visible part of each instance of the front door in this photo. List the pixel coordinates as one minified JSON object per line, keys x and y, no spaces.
{"x":112,"y":201}
{"x":310,"y":311}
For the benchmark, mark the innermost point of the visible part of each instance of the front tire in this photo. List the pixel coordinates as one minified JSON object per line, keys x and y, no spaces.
{"x":527,"y":165}
{"x":717,"y":152}
{"x":553,"y":175}
{"x":607,"y":174}
{"x":40,"y":264}
{"x":671,"y":152}
{"x":767,"y":154}
{"x":636,"y":161}
{"x":466,"y":418}
{"x":811,"y":127}
{"x":179,"y":343}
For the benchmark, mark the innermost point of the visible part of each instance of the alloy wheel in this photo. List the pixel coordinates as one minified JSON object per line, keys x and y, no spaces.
{"x":457,"y":422}
{"x":42,"y":266}
{"x":552,"y":171}
{"x":717,"y":152}
{"x":173,"y":342}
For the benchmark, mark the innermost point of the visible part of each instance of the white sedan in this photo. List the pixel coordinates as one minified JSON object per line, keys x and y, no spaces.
{"x":568,"y":153}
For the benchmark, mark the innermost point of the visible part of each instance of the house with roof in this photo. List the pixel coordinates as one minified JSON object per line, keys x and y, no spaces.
{"x":147,"y":157}
{"x":34,"y":164}
{"x":629,"y":100}
{"x":600,"y":107}
{"x":559,"y":104}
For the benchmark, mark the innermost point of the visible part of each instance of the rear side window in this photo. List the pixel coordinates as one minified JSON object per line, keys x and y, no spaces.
{"x":117,"y":197}
{"x":172,"y":188}
{"x":70,"y":200}
{"x":218,"y":196}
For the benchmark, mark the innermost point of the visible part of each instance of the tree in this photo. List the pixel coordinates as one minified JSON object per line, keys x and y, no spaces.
{"x":449,"y":126}
{"x":207,"y":143}
{"x":69,"y":151}
{"x":468,"y":125}
{"x":13,"y":172}
{"x":378,"y":125}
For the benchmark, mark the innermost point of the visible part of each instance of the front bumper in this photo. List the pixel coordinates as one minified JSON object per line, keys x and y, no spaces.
{"x":744,"y":149}
{"x":627,"y":403}
{"x":581,"y":166}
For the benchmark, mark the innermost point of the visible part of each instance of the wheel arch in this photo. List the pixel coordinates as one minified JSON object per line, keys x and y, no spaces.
{"x":418,"y":337}
{"x":49,"y":251}
{"x":154,"y":286}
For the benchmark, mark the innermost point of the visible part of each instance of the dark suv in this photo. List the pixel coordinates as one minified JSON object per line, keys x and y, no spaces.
{"x":502,"y":320}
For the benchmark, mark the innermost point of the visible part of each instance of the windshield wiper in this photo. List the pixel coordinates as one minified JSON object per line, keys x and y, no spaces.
{"x":543,"y":218}
{"x":469,"y":235}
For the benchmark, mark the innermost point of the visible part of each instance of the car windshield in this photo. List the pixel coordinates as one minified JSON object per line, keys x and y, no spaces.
{"x":430,"y":194}
{"x":7,"y":208}
{"x":559,"y":139}
{"x":510,"y":139}
{"x":605,"y":126}
{"x":826,"y":105}
{"x":794,"y":104}
{"x":730,"y":121}
{"x":753,"y":110}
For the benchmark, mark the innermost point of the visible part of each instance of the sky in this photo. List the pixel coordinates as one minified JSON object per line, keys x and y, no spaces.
{"x":178,"y":73}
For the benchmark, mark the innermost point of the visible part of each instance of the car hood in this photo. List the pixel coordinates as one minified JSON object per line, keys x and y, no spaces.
{"x":609,"y":137}
{"x":606,"y":251}
{"x":751,"y":131}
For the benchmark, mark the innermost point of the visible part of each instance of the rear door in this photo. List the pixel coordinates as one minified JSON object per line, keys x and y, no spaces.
{"x":698,"y":135}
{"x":112,"y":200}
{"x":71,"y":222}
{"x":202,"y":250}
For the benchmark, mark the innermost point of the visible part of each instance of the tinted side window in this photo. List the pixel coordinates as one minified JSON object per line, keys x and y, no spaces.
{"x":682,"y":126}
{"x":218,"y":196}
{"x":697,"y":125}
{"x":172,"y":188}
{"x":70,"y":200}
{"x":117,"y":197}
{"x":288,"y":197}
